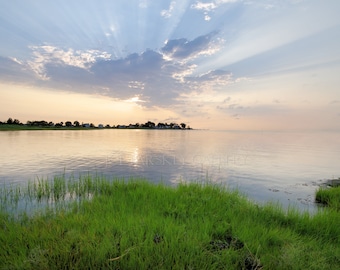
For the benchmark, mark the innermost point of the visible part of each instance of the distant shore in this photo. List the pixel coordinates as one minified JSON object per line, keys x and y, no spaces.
{"x":12,"y":127}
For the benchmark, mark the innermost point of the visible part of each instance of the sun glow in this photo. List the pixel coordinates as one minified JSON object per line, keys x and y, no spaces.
{"x":135,"y":99}
{"x":226,"y":64}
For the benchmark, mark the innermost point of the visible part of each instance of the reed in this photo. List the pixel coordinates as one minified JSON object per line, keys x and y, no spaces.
{"x":133,"y":224}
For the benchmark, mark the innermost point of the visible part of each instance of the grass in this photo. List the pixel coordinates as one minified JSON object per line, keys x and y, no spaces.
{"x":330,"y":195}
{"x":96,"y":223}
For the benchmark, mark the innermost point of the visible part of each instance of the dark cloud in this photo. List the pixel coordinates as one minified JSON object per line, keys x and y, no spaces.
{"x":61,"y":74}
{"x":12,"y":70}
{"x":146,"y":75}
{"x":153,"y":76}
{"x":148,"y":69}
{"x":183,"y":48}
{"x":134,"y":66}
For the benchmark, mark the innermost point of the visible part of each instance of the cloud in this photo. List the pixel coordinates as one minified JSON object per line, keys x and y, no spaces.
{"x":207,"y":17}
{"x":212,"y":78}
{"x":168,"y":13}
{"x":227,"y":1}
{"x":147,"y":75}
{"x":234,"y":110}
{"x":204,"y":6}
{"x":160,"y":78}
{"x":13,"y":70}
{"x":43,"y":55}
{"x":143,"y":3}
{"x":136,"y":85}
{"x":185,"y":49}
{"x":236,"y":116}
{"x":208,"y":7}
{"x":226,"y":99}
{"x":229,"y":107}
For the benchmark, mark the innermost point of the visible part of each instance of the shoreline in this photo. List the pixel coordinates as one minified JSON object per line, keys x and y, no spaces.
{"x":95,"y":222}
{"x":5,"y":127}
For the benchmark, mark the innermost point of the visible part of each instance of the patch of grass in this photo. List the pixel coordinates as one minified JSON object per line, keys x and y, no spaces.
{"x":104,"y":224}
{"x":329,"y":196}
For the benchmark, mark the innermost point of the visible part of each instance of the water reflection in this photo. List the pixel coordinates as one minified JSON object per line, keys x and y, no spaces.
{"x":266,"y":166}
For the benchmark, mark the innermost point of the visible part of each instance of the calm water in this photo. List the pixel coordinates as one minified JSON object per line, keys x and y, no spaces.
{"x":267,"y":166}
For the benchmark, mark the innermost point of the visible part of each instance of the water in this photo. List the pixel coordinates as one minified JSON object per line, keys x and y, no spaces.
{"x":267,"y":166}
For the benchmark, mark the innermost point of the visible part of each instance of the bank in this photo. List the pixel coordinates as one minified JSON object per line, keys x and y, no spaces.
{"x":98,"y":223}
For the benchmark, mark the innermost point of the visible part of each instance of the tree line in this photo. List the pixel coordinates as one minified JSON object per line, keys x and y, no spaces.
{"x":77,"y":124}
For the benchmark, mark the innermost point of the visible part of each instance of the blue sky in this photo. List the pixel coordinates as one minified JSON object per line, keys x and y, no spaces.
{"x":221,"y":64}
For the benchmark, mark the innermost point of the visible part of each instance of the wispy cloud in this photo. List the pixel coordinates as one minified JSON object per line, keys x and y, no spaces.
{"x":204,"y":6}
{"x":209,"y":6}
{"x":143,"y":3}
{"x":167,"y":13}
{"x":210,"y":80}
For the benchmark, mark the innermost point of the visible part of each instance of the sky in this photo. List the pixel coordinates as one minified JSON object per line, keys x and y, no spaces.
{"x":215,"y":64}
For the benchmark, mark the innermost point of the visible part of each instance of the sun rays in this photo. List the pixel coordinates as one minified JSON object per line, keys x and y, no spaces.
{"x":185,"y":57}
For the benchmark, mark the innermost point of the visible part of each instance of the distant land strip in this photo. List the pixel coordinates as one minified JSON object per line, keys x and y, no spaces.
{"x":15,"y":124}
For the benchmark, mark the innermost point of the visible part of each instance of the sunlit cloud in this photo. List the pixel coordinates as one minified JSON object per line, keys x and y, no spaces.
{"x":144,"y":74}
{"x":207,"y":17}
{"x":136,"y":85}
{"x":43,"y":55}
{"x":209,"y":6}
{"x":204,"y":6}
{"x":135,"y":99}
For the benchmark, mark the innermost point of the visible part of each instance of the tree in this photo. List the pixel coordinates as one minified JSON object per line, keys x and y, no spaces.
{"x":68,"y":124}
{"x":76,"y":123}
{"x":150,"y":124}
{"x":16,"y":122}
{"x":10,"y":121}
{"x":183,"y":125}
{"x":161,"y":125}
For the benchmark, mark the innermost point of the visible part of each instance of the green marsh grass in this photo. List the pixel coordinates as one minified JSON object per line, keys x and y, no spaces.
{"x":117,"y":224}
{"x":329,"y":196}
